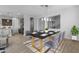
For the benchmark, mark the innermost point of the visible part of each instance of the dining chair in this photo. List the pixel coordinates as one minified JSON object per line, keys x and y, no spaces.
{"x":2,"y":50}
{"x":60,"y":41}
{"x":2,"y":45}
{"x":55,"y":42}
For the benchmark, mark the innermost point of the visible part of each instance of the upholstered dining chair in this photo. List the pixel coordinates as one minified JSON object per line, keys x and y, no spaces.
{"x":2,"y":49}
{"x":2,"y":45}
{"x":54,"y":43}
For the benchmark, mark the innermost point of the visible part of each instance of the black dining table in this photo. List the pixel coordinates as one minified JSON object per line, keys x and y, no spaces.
{"x":41,"y":36}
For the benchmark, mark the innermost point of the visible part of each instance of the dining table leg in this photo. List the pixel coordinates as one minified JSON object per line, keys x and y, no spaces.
{"x":33,"y":41}
{"x":41,"y":45}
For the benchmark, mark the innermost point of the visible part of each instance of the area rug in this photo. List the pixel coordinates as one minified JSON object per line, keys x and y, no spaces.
{"x":29,"y":45}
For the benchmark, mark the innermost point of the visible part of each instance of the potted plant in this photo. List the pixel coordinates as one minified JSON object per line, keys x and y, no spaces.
{"x":46,"y":30}
{"x":74,"y":32}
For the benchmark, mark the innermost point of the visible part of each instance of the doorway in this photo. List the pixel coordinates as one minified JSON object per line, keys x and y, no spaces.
{"x":31,"y":24}
{"x":21,"y":30}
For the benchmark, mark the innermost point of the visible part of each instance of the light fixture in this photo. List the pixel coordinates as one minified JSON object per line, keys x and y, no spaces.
{"x":44,"y":5}
{"x":45,"y":19}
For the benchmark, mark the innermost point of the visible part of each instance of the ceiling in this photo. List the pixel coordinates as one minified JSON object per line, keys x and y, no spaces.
{"x":31,"y":10}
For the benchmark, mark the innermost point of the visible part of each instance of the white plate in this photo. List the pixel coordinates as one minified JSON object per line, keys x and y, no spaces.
{"x":34,"y":32}
{"x":43,"y":34}
{"x":50,"y":32}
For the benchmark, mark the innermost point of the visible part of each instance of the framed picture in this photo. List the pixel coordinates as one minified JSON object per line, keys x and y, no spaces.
{"x":6,"y":22}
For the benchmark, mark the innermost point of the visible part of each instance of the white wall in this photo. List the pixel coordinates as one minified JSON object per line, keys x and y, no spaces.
{"x":26,"y":23}
{"x":68,"y":18}
{"x":35,"y":23}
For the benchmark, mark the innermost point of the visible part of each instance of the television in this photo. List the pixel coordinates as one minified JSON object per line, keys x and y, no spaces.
{"x":6,"y":22}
